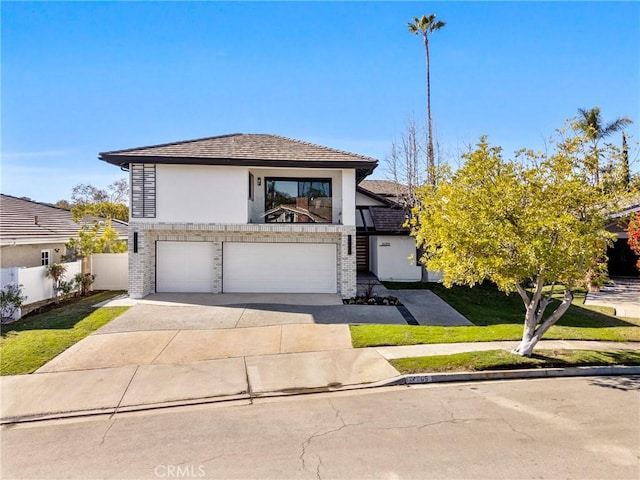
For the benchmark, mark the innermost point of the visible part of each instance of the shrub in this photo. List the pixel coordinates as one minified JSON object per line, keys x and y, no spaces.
{"x":11,"y":300}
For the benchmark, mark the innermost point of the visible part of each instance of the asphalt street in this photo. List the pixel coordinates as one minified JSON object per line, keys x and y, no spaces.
{"x":584,"y":428}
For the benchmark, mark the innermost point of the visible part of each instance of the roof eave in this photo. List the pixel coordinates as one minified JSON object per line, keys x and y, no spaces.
{"x":363,"y":167}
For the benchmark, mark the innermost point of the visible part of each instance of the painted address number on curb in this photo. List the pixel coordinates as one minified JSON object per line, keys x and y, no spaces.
{"x":418,"y":379}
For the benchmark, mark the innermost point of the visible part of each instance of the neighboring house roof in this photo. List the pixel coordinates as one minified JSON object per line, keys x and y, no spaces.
{"x":28,"y":222}
{"x":256,"y":150}
{"x":626,"y":211}
{"x":386,"y":188}
{"x":387,"y":201}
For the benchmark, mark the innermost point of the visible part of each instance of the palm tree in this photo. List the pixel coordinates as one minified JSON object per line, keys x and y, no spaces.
{"x":590,"y":123}
{"x":426,"y":25}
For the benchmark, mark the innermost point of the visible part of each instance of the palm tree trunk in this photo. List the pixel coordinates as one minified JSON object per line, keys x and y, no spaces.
{"x":430,"y":156}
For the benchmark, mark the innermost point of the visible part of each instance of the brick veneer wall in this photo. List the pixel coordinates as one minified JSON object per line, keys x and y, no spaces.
{"x":142,"y":265}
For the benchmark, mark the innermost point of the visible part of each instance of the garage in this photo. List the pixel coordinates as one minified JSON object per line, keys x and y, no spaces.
{"x":184,"y":266}
{"x":279,"y":268}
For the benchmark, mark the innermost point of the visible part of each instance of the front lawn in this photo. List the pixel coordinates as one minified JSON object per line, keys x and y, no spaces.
{"x":496,"y":317}
{"x":29,"y":343}
{"x":503,"y":360}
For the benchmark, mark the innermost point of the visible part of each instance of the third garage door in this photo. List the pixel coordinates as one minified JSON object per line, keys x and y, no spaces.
{"x":279,"y":268}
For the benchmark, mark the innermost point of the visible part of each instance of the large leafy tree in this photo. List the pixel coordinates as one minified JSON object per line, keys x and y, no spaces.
{"x":521,"y":224}
{"x":95,"y":235}
{"x":590,"y":123}
{"x":425,"y":26}
{"x":110,"y":202}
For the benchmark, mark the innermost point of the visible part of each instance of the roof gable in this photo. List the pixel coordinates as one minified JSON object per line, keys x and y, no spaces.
{"x":243,"y":149}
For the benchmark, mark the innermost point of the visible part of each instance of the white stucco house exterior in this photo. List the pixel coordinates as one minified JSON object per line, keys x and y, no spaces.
{"x":249,"y":213}
{"x":384,"y":245}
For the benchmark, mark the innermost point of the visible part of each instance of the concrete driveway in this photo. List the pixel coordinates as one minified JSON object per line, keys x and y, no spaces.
{"x":172,"y":349}
{"x":197,"y":311}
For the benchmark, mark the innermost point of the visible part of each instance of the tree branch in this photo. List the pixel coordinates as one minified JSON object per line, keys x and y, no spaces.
{"x":523,"y":294}
{"x":557,"y":313}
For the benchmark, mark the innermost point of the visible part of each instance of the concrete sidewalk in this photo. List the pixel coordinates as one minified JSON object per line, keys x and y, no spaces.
{"x":111,"y":390}
{"x":428,"y":350}
{"x":168,"y":379}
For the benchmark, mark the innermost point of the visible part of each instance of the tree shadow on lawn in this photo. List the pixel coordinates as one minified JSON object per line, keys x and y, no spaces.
{"x":486,"y":305}
{"x":566,"y":358}
{"x":62,"y":317}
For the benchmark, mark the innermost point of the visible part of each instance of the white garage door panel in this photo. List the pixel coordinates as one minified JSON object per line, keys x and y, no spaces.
{"x":279,"y":267}
{"x":184,"y":266}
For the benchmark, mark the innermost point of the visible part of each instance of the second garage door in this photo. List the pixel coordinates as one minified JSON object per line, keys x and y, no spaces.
{"x":279,"y":268}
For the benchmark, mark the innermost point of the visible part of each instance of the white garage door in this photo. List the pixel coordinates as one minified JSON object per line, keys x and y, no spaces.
{"x":279,"y":267}
{"x":184,"y":266}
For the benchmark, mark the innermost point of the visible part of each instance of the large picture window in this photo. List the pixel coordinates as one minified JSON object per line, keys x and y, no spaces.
{"x":298,"y":200}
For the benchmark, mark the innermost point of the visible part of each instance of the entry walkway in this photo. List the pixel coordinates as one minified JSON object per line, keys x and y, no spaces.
{"x":623,"y":295}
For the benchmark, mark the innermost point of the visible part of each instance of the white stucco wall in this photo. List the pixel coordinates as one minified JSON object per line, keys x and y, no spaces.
{"x":349,"y":197}
{"x":201,"y":194}
{"x":366,"y":201}
{"x":30,"y":255}
{"x":393,"y":258}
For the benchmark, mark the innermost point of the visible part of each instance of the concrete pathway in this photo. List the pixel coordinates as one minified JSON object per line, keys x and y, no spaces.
{"x":423,"y":305}
{"x":429,"y":309}
{"x":623,"y":296}
{"x":406,"y":351}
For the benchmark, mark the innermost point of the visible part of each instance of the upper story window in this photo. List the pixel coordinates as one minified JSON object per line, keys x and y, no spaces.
{"x":298,"y":200}
{"x":45,"y":257}
{"x":143,"y":190}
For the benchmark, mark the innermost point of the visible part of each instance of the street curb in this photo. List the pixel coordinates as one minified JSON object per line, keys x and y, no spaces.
{"x":419,"y":379}
{"x":413,"y":379}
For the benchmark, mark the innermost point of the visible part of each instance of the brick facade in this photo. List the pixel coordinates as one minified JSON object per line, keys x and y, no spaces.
{"x":142,"y":264}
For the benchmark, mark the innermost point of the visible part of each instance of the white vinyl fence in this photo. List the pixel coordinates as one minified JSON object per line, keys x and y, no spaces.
{"x":111,"y":271}
{"x":34,"y":281}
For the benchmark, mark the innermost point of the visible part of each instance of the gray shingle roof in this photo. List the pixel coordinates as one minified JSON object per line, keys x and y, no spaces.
{"x":390,"y":220}
{"x":243,"y":149}
{"x":26,"y":221}
{"x":386,"y":188}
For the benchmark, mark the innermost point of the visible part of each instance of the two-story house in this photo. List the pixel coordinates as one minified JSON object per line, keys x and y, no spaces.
{"x":242,"y":213}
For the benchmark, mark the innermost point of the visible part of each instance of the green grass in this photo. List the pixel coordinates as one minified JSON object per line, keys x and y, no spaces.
{"x":503,"y":360}
{"x":496,"y":317}
{"x":29,"y":343}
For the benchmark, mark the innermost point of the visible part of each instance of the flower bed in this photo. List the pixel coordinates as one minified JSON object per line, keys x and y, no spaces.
{"x":372,"y":300}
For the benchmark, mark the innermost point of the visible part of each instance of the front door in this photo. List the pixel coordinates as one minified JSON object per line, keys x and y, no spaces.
{"x":362,"y":253}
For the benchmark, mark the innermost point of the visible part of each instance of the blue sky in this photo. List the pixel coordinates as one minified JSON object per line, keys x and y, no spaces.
{"x":79,"y":78}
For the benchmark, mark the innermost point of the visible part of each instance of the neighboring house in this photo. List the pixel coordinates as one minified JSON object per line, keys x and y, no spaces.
{"x":388,"y":189}
{"x":242,"y":213}
{"x":621,"y":259}
{"x":34,"y":234}
{"x":384,"y":245}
